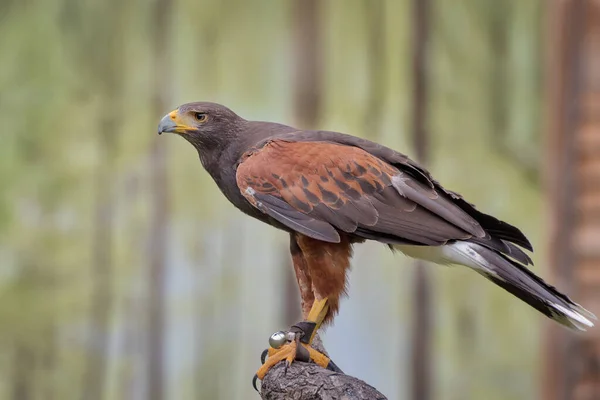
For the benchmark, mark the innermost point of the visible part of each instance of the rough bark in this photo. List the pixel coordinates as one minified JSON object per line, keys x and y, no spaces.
{"x":304,"y":381}
{"x":572,"y":362}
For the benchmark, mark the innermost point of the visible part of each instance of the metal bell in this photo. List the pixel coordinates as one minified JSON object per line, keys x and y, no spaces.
{"x":277,"y":339}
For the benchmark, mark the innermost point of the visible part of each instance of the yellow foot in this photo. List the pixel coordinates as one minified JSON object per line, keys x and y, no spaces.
{"x":286,"y":352}
{"x":317,"y":357}
{"x":295,"y":344}
{"x":291,"y":352}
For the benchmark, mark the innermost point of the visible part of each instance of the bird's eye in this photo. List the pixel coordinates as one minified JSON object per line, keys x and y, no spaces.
{"x":200,"y":117}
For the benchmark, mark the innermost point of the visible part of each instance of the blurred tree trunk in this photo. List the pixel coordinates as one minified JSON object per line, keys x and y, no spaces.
{"x":104,"y":76}
{"x":23,"y":366}
{"x":308,"y":97}
{"x":161,"y":25}
{"x":24,"y":373}
{"x":572,"y":365}
{"x":375,"y":13}
{"x":207,"y":324}
{"x":101,"y":303}
{"x":421,"y":335}
{"x":308,"y":62}
{"x":128,"y":348}
{"x":131,"y":325}
{"x":49,"y":360}
{"x":291,"y":311}
{"x":498,"y":15}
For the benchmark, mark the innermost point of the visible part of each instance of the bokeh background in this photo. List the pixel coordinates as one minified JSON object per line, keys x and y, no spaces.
{"x":124,"y":273}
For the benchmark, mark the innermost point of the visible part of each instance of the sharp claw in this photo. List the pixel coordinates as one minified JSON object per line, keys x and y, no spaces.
{"x":263,"y":356}
{"x":254,"y":383}
{"x":295,"y":349}
{"x":287,"y":364}
{"x":332,"y":367}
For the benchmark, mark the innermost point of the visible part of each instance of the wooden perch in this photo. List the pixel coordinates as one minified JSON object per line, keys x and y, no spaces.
{"x":304,"y":381}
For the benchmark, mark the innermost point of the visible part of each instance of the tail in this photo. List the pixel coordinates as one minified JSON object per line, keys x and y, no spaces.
{"x":522,"y":283}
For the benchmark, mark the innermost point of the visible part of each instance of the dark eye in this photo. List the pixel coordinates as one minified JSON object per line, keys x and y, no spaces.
{"x":200,"y":117}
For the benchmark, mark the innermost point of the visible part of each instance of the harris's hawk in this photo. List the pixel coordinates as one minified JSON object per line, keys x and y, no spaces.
{"x":330,"y":191}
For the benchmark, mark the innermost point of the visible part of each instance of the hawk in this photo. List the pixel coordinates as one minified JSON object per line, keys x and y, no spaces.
{"x":330,"y":191}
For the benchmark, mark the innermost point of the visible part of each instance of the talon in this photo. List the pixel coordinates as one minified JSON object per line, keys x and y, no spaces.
{"x":275,"y":356}
{"x":292,"y":355}
{"x":295,"y":344}
{"x":292,"y":351}
{"x":317,"y":357}
{"x":332,"y":367}
{"x":263,"y":356}
{"x":254,"y":379}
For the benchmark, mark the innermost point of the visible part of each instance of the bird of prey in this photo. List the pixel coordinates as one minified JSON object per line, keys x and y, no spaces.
{"x":330,"y":191}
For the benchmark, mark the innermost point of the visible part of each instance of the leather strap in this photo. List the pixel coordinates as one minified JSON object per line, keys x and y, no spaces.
{"x":305,"y":330}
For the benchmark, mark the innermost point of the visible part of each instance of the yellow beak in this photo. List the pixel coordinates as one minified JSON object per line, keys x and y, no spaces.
{"x":171,"y":123}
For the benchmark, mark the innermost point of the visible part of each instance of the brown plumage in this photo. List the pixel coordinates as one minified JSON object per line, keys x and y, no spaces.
{"x":320,"y":188}
{"x":330,"y":190}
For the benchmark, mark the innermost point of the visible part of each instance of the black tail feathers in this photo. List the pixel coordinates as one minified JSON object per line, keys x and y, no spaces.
{"x":524,"y":284}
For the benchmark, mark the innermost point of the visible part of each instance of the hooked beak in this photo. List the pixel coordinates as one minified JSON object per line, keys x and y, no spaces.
{"x":170,"y":123}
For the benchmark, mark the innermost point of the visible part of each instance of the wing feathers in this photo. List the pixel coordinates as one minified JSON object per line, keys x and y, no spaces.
{"x":339,"y":220}
{"x":318,"y":188}
{"x":282,"y":212}
{"x":492,"y":225}
{"x":437,"y":204}
{"x":418,"y":225}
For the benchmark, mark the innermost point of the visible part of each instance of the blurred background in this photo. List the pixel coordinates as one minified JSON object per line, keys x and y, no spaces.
{"x":124,"y":273}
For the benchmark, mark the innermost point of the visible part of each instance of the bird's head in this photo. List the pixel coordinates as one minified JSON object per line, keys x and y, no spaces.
{"x":205,"y":125}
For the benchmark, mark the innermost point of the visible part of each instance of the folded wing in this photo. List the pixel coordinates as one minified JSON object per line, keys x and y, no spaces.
{"x":321,"y":188}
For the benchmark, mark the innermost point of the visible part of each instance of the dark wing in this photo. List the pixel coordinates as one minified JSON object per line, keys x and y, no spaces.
{"x":320,"y":188}
{"x":501,"y":236}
